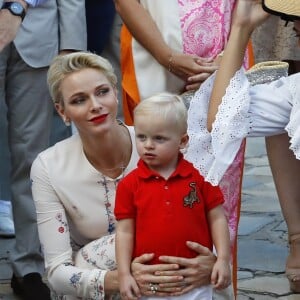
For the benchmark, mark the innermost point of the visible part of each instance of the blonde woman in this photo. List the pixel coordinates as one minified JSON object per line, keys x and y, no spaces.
{"x":74,"y":184}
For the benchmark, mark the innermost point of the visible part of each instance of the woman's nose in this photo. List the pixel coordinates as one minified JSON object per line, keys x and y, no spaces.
{"x":95,"y":104}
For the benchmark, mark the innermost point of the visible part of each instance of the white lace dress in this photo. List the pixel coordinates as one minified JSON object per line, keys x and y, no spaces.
{"x":260,"y":110}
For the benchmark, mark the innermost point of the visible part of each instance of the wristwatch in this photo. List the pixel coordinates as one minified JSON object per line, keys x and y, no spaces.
{"x":15,"y":8}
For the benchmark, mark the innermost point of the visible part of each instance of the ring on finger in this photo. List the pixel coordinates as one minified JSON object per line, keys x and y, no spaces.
{"x":153,"y":287}
{"x":184,"y":283}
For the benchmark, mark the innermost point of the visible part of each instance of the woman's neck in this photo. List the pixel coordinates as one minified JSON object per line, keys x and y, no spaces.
{"x":109,"y":153}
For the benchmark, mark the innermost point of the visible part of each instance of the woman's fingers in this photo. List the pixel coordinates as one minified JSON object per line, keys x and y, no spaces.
{"x":149,"y":283}
{"x":143,"y":258}
{"x":195,"y":271}
{"x":201,"y":250}
{"x":184,"y":290}
{"x":140,"y":264}
{"x":161,"y":289}
{"x":176,"y":275}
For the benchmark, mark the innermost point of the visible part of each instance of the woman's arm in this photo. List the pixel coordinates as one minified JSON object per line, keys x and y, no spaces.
{"x":144,"y":29}
{"x":247,"y":16}
{"x":62,"y":273}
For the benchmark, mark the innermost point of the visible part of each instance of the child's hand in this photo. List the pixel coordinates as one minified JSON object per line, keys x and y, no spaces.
{"x":221,"y":274}
{"x":129,"y":290}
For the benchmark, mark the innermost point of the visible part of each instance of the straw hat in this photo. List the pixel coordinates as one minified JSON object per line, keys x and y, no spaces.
{"x":288,"y":10}
{"x":267,"y":71}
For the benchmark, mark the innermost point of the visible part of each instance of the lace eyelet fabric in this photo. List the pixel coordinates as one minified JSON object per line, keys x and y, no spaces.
{"x":293,"y":127}
{"x":212,"y":153}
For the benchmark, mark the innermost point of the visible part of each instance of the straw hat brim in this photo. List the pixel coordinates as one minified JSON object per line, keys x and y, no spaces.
{"x":267,"y":71}
{"x":287,"y":9}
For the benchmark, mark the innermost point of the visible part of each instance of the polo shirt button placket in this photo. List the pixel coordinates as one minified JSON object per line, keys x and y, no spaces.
{"x":167,"y":201}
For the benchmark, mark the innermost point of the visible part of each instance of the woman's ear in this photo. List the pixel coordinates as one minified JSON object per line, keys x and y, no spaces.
{"x":61,"y":111}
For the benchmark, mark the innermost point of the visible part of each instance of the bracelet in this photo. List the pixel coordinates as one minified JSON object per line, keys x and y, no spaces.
{"x":170,"y":62}
{"x":221,"y":54}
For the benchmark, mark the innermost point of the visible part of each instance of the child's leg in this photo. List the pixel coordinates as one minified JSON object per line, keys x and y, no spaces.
{"x":286,"y":173}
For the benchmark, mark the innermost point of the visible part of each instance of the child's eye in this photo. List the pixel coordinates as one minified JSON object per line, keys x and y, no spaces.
{"x":141,"y":137}
{"x":160,"y":138}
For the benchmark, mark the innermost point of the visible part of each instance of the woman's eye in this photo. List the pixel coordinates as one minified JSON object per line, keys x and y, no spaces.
{"x":78,"y":100}
{"x":102,"y":91}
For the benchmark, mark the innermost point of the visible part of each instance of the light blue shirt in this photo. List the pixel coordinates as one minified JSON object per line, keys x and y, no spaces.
{"x":35,"y":2}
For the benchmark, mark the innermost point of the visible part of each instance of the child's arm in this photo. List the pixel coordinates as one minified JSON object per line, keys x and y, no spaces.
{"x":124,"y":247}
{"x":221,"y":274}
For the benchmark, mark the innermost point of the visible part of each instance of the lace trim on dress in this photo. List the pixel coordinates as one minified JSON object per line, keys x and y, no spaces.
{"x":293,"y":128}
{"x":212,"y":153}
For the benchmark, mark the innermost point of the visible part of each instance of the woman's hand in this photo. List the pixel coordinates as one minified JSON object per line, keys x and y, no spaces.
{"x":249,"y":13}
{"x":176,"y":275}
{"x":149,"y":283}
{"x":196,"y":272}
{"x":207,"y":68}
{"x":187,"y":66}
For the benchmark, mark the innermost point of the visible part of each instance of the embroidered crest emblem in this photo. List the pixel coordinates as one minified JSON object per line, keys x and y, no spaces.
{"x":192,"y":197}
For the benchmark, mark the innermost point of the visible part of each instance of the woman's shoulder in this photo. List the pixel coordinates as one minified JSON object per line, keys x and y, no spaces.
{"x":295,"y":76}
{"x":134,"y":154}
{"x":63,"y":150}
{"x":130,"y":129}
{"x":290,"y":80}
{"x":295,"y":80}
{"x":289,"y":86}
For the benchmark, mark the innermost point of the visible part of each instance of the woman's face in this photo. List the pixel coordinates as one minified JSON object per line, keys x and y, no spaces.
{"x":297,"y":30}
{"x":89,"y":101}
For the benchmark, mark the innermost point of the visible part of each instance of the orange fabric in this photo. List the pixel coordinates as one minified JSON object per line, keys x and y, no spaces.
{"x":251,"y":54}
{"x":251,"y":62}
{"x":130,"y":92}
{"x":235,"y":247}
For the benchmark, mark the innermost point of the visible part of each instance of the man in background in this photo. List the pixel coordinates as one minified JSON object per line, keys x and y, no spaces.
{"x":29,"y":39}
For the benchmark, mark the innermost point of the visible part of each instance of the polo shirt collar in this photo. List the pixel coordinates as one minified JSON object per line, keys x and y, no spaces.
{"x":184,"y":168}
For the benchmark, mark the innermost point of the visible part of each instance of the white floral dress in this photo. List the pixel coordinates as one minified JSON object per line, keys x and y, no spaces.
{"x":260,"y":110}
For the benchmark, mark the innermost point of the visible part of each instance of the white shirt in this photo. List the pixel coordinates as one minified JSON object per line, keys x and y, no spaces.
{"x":75,"y":205}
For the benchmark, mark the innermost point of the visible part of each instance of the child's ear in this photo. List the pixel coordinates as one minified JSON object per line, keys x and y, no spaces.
{"x":184,"y":141}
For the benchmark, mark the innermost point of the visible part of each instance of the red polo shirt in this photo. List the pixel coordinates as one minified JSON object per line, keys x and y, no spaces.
{"x":167,"y":212}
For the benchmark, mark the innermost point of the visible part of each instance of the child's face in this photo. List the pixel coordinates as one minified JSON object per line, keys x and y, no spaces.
{"x":158,"y":142}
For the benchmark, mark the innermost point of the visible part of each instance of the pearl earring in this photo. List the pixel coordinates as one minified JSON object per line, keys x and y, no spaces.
{"x":67,"y":122}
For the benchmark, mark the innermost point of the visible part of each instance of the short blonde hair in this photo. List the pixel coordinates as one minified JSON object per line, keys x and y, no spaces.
{"x":63,"y":65}
{"x":166,"y":106}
